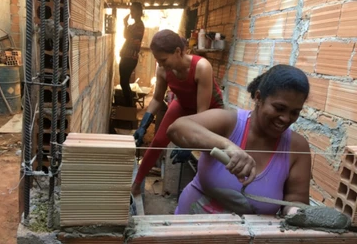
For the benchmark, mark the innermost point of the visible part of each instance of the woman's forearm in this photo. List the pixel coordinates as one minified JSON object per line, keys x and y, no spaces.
{"x":154,"y":106}
{"x":186,"y":133}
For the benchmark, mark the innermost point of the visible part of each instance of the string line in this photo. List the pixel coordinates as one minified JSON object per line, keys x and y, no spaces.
{"x":248,"y":151}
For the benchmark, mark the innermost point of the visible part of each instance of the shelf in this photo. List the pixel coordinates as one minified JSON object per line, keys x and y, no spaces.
{"x":195,"y":50}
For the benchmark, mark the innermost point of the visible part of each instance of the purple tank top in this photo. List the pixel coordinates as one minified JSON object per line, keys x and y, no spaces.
{"x":213,"y":178}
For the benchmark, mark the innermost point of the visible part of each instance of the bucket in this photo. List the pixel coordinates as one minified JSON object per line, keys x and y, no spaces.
{"x":11,"y":87}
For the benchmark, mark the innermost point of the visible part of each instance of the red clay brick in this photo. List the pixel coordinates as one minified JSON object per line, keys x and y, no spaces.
{"x":308,"y":4}
{"x":15,"y":19}
{"x":261,"y":28}
{"x":319,"y":140}
{"x":330,"y":202}
{"x":250,"y":53}
{"x":282,"y":53}
{"x":316,"y":194}
{"x":288,"y":4}
{"x":351,"y":132}
{"x":265,"y":53}
{"x":276,"y":26}
{"x":333,"y":58}
{"x":341,"y":100}
{"x":14,"y":9}
{"x":325,"y":176}
{"x":324,"y":21}
{"x":232,"y":73}
{"x":348,"y":21}
{"x":258,"y":7}
{"x":242,"y":73}
{"x":244,"y":9}
{"x":233,"y":92}
{"x":318,"y":93}
{"x":307,"y":56}
{"x":272,"y":5}
{"x":290,"y":24}
{"x":252,"y":73}
{"x":328,"y":120}
{"x":243,"y":29}
{"x":239,"y":51}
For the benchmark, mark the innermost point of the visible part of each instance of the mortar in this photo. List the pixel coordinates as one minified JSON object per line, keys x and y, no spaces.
{"x":307,"y":217}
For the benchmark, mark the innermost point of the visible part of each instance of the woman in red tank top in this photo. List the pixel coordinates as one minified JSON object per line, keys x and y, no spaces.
{"x":190,"y":78}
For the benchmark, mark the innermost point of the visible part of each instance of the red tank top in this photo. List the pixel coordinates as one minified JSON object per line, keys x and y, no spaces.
{"x":186,"y":90}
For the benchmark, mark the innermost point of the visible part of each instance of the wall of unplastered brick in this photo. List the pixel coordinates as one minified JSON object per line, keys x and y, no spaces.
{"x":12,"y":22}
{"x":221,"y":18}
{"x":318,"y":36}
{"x":90,"y":59}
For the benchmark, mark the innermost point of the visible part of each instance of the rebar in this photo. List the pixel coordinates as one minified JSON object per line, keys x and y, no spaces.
{"x":42,"y":79}
{"x":63,"y":76}
{"x":27,"y":109}
{"x":55,"y":79}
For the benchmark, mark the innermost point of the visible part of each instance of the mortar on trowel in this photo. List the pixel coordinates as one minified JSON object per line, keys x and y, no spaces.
{"x":307,"y":217}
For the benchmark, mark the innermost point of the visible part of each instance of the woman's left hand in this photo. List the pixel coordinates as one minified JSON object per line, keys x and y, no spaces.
{"x":290,"y":210}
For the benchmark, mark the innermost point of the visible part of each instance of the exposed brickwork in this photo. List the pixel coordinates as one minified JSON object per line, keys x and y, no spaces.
{"x":221,"y":18}
{"x":315,"y":36}
{"x":346,"y":200}
{"x":89,"y":66}
{"x":15,"y":22}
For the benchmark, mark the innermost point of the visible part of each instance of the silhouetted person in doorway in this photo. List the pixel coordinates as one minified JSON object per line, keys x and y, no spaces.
{"x":130,"y":51}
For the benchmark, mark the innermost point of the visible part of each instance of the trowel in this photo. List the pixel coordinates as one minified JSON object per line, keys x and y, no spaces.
{"x":307,"y":217}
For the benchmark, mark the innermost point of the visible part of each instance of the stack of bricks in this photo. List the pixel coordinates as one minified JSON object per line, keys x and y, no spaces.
{"x":90,"y":57}
{"x":87,"y":15}
{"x":96,"y":179}
{"x":12,"y":58}
{"x":209,"y":229}
{"x":346,"y":200}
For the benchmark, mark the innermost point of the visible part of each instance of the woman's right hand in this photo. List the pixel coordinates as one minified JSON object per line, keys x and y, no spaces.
{"x":126,"y":19}
{"x":241,"y":164}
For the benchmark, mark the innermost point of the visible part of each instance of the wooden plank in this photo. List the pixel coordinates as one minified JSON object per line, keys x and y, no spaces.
{"x":14,"y":125}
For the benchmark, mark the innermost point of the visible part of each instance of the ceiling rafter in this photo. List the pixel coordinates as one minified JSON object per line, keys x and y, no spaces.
{"x":149,"y":4}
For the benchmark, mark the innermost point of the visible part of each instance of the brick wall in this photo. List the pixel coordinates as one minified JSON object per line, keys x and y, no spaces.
{"x":221,"y":18}
{"x":318,"y":37}
{"x":90,"y":68}
{"x":12,"y":21}
{"x":15,"y":22}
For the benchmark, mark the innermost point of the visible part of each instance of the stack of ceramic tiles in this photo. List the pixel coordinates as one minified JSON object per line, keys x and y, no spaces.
{"x":96,"y":177}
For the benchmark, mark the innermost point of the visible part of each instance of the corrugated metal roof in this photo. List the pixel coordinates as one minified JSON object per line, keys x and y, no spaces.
{"x":149,"y":4}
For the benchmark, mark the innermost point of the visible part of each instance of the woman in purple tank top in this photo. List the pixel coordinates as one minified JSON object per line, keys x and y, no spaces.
{"x":258,"y":142}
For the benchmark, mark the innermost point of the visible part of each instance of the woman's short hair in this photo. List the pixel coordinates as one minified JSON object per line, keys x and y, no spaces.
{"x":280,"y":77}
{"x":138,"y":6}
{"x":166,"y":41}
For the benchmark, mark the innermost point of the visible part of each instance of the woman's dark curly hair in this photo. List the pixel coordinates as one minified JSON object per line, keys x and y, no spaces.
{"x":280,"y":77}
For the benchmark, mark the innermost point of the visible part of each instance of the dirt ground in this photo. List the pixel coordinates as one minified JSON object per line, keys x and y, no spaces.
{"x":10,"y":171}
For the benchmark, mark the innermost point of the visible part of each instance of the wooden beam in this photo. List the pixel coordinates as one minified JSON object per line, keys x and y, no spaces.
{"x":206,"y":15}
{"x":124,"y":6}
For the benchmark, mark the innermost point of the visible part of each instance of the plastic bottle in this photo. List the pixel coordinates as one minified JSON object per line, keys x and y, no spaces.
{"x":217,"y":36}
{"x":193,"y":39}
{"x":201,"y":39}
